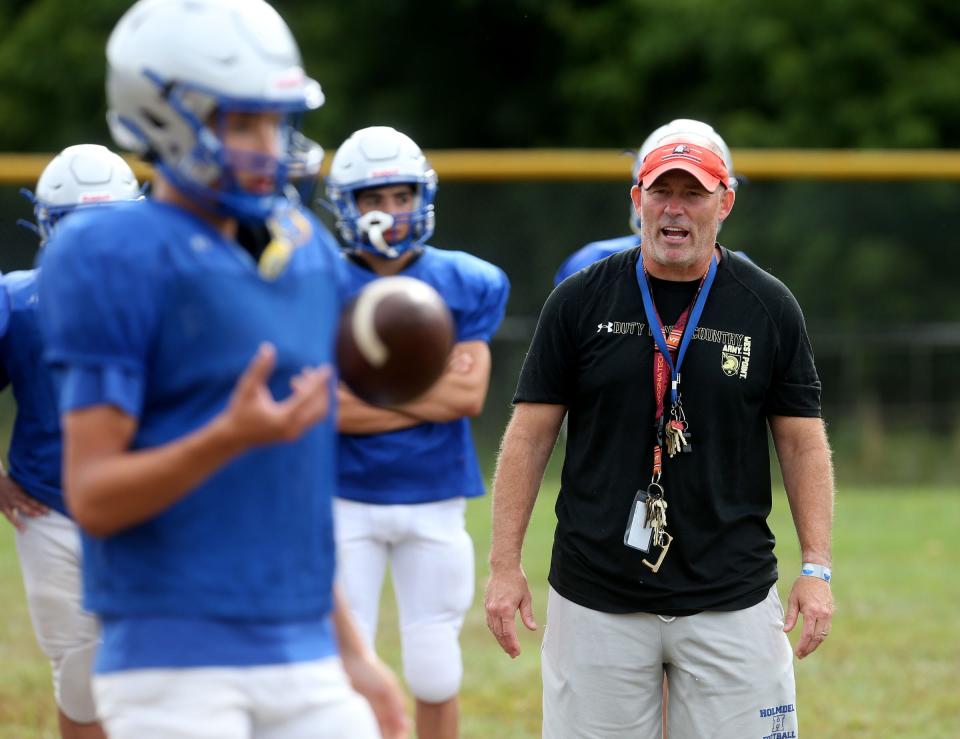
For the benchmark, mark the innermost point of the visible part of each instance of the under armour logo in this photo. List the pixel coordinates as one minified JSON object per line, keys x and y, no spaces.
{"x":608,"y":326}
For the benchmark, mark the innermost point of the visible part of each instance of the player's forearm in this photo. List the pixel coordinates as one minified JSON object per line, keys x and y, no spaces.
{"x":112,"y":492}
{"x":350,"y":643}
{"x":452,"y":397}
{"x":461,"y":390}
{"x":804,"y":455}
{"x":524,"y":454}
{"x":356,"y":417}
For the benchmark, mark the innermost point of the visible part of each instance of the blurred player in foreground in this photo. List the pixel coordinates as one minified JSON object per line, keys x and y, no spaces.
{"x":48,"y":541}
{"x":663,"y":559}
{"x":191,"y":335}
{"x":406,"y":472}
{"x":597,"y":250}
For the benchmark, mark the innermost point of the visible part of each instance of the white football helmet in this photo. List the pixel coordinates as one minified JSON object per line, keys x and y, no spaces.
{"x":676,"y":127}
{"x":79,"y":176}
{"x":375,"y":157}
{"x":175,"y":66}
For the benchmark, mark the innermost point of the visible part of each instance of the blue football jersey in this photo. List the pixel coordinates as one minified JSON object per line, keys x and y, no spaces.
{"x":593,"y":252}
{"x":4,"y":310}
{"x":146,"y":307}
{"x":35,"y":447}
{"x":430,"y":461}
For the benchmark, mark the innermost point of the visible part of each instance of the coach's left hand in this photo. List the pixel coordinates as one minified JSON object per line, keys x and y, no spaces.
{"x":811,"y":597}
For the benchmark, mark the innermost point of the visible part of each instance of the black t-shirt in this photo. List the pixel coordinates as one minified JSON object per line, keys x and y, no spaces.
{"x":750,"y":358}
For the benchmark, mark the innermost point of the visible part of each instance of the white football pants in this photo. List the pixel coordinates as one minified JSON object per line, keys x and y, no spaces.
{"x":51,"y":560}
{"x":431,"y":559}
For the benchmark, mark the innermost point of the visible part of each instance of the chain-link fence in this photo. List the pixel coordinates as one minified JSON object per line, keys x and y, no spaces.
{"x":874,"y":265}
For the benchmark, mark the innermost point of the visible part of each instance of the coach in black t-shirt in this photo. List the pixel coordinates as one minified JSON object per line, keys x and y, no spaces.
{"x":672,"y":359}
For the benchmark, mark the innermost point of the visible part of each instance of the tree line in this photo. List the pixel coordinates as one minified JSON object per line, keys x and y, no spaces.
{"x":529,"y":73}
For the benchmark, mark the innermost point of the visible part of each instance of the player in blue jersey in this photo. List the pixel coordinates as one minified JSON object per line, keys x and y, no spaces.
{"x":406,"y":472}
{"x":48,"y":542}
{"x":191,"y":337}
{"x":597,"y":250}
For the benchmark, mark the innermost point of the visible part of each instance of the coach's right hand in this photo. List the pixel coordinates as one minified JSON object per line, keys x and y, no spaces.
{"x":507,"y":592}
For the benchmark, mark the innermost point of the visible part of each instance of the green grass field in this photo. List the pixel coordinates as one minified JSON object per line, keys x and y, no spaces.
{"x":890,"y":669}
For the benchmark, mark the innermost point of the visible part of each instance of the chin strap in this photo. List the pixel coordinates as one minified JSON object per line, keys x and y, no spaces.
{"x":372,"y":225}
{"x":288,"y":229}
{"x":29,"y":225}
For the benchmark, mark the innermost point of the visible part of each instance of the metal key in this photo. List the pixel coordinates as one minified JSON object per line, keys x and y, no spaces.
{"x":675,"y":440}
{"x":657,"y":518}
{"x":683,"y":441}
{"x":670,"y":442}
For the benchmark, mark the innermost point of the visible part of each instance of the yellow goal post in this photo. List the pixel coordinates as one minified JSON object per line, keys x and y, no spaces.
{"x":585,"y":165}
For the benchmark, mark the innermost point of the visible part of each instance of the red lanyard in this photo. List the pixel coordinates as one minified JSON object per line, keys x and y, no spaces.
{"x":668,"y":354}
{"x":662,"y":376}
{"x":661,"y":380}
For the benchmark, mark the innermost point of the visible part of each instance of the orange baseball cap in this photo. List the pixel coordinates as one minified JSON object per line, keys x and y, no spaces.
{"x":709,"y":169}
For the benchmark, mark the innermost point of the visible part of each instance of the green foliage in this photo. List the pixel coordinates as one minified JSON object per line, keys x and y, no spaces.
{"x":845,"y":74}
{"x":52,"y":74}
{"x":465,"y":73}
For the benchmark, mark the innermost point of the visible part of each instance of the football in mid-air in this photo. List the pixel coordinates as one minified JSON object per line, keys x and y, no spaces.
{"x":394,"y":340}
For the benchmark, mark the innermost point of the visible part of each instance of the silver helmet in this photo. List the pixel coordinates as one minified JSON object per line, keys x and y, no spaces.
{"x":375,"y":157}
{"x":77,"y":177}
{"x":174,"y":66}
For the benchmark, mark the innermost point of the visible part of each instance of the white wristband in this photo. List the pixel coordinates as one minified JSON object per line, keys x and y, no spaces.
{"x":811,"y":570}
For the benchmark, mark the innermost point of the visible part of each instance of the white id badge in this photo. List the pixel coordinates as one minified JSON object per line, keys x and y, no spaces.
{"x":638,"y":534}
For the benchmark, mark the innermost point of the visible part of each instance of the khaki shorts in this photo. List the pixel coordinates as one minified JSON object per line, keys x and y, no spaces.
{"x":730,"y":673}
